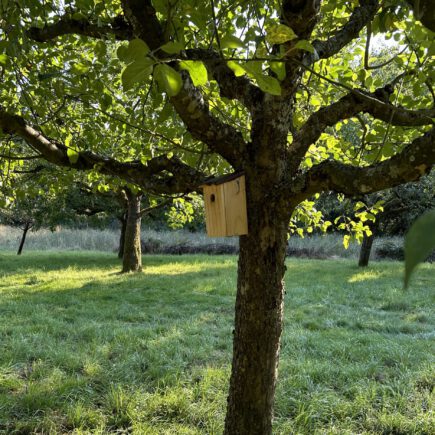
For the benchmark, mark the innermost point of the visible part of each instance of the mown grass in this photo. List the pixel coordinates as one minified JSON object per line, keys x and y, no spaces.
{"x":86,"y":350}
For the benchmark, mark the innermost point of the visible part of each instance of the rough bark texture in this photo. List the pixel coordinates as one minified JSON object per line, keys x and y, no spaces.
{"x":23,"y":238}
{"x":258,"y":320}
{"x":132,"y":258}
{"x":366,"y":249}
{"x":123,"y":220}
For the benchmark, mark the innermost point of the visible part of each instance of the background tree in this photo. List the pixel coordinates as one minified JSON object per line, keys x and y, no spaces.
{"x":401,"y":206}
{"x":263,"y":88}
{"x":33,"y":199}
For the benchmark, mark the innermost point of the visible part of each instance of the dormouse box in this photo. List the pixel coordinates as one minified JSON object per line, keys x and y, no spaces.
{"x":225,"y":206}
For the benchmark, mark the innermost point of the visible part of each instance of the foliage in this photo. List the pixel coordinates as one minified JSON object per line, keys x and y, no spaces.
{"x":391,"y":211}
{"x":419,"y":242}
{"x":150,"y":353}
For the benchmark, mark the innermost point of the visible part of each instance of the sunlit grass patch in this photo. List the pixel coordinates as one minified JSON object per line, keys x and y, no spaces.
{"x":85,"y":350}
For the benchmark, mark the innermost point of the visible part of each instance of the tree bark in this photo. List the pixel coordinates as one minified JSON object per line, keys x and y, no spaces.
{"x":366,"y":248}
{"x":258,"y":320}
{"x":123,"y":220}
{"x":23,"y":238}
{"x":132,"y":258}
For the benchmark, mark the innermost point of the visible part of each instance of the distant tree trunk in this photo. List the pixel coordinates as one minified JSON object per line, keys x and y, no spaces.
{"x":123,"y":220}
{"x":132,"y":258}
{"x":23,"y":237}
{"x":258,"y":320}
{"x":367,"y":243}
{"x":366,"y":248}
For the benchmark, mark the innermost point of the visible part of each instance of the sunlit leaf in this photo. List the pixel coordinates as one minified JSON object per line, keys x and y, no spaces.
{"x":237,"y":69}
{"x":279,"y":33}
{"x":73,"y":155}
{"x":197,"y":71}
{"x":168,"y":79}
{"x":231,"y":41}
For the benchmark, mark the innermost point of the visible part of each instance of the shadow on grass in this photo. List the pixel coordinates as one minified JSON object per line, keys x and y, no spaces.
{"x":71,"y":338}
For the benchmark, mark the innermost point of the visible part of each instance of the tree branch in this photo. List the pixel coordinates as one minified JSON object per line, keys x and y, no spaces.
{"x":415,"y":160}
{"x":68,"y":25}
{"x":375,"y":104}
{"x":231,"y":86}
{"x":190,"y":104}
{"x":161,"y":175}
{"x":361,"y":15}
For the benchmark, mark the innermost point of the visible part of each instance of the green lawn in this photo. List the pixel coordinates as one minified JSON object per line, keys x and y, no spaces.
{"x":86,"y":350}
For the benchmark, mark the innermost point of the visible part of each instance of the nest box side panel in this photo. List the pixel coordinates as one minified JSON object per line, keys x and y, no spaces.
{"x":235,"y":207}
{"x":215,"y":210}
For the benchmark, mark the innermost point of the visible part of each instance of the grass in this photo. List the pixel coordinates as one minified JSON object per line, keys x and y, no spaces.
{"x":106,"y":240}
{"x":85,"y":350}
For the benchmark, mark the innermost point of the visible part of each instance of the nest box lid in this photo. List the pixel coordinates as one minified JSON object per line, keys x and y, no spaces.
{"x":223,"y":179}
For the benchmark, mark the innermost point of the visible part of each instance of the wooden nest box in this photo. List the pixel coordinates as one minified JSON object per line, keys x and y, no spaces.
{"x":225,"y":206}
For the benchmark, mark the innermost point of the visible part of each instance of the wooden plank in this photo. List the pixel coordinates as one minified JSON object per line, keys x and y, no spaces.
{"x":215,"y":210}
{"x":235,"y":207}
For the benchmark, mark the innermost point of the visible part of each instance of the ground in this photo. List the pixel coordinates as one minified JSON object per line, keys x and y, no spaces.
{"x":86,"y":350}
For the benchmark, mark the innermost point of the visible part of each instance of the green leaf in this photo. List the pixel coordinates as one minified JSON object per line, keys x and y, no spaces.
{"x":137,"y":72}
{"x":237,"y":69}
{"x":172,"y":47}
{"x":346,"y":241}
{"x":3,"y":59}
{"x":419,"y":242}
{"x":79,"y":68}
{"x":266,"y":83}
{"x":135,"y":50}
{"x":68,"y":140}
{"x":100,"y":48}
{"x":279,"y":69}
{"x":73,"y":155}
{"x":304,"y":45}
{"x":168,"y":79}
{"x":253,"y":68}
{"x":269,"y":84}
{"x":197,"y":71}
{"x":279,"y":33}
{"x":231,"y":41}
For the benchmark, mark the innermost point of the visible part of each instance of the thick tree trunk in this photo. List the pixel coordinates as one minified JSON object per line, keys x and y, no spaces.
{"x":366,"y":249}
{"x":132,"y":258}
{"x":258,"y":321}
{"x":23,"y":238}
{"x":123,"y":220}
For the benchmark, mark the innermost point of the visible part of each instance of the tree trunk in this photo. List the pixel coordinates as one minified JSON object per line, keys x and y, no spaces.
{"x":132,"y":258}
{"x":23,"y":238}
{"x":123,"y":220}
{"x":366,"y":248}
{"x":258,"y":320}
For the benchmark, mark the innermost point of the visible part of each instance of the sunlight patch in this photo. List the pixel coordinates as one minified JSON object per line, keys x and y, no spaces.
{"x":365,"y":276}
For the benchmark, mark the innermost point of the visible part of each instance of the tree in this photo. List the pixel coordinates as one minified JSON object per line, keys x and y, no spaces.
{"x":31,"y":202}
{"x":262,"y":88}
{"x":401,"y":206}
